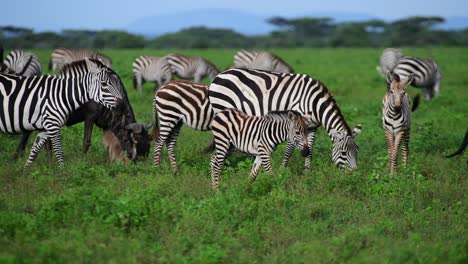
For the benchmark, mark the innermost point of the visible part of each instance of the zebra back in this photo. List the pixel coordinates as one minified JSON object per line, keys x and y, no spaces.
{"x":62,"y":56}
{"x":23,"y":63}
{"x":261,"y":60}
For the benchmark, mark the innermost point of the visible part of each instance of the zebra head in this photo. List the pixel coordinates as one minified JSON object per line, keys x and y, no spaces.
{"x":345,"y":150}
{"x":397,"y":88}
{"x":106,"y":87}
{"x":297,"y":133}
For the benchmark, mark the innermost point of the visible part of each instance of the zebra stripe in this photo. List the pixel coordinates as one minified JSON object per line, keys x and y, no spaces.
{"x":261,"y":60}
{"x":254,"y":135}
{"x":151,"y":69}
{"x":45,"y":102}
{"x":63,"y":56}
{"x":257,"y":92}
{"x":23,"y":63}
{"x":188,"y":67}
{"x":396,"y":118}
{"x":388,"y":60}
{"x":176,"y":103}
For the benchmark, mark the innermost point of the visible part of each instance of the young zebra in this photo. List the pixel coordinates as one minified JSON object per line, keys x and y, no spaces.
{"x":151,"y":69}
{"x":261,"y":60}
{"x":47,"y":102}
{"x":254,"y":135}
{"x":257,"y":92}
{"x":62,"y":56}
{"x":188,"y":67}
{"x":23,"y":63}
{"x":175,"y":103}
{"x":397,"y":118}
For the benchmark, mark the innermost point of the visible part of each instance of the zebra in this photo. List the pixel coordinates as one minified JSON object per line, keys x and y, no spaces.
{"x":44,"y":103}
{"x":462,"y":147}
{"x":388,"y":60}
{"x":396,"y":118}
{"x":23,"y":63}
{"x":151,"y":69}
{"x":261,"y":60}
{"x":258,"y":92}
{"x":175,"y":103}
{"x":426,"y":71}
{"x":188,"y":67}
{"x":62,"y":56}
{"x":255,"y":135}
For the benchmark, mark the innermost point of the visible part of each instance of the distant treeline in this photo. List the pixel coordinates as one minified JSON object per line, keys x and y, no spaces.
{"x":299,"y":32}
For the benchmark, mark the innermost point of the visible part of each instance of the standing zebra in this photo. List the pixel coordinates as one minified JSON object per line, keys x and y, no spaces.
{"x":426,"y":71}
{"x":188,"y":67}
{"x":175,"y":103}
{"x":261,"y":60}
{"x":47,"y":102}
{"x":23,"y":63}
{"x":255,"y":135}
{"x":397,"y":118}
{"x":151,"y":69}
{"x":62,"y":56}
{"x":257,"y":92}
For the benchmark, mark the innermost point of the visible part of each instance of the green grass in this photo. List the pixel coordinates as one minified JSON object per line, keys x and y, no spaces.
{"x":100,"y":212}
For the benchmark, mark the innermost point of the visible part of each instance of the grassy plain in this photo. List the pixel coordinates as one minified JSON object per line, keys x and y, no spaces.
{"x":101,"y":212}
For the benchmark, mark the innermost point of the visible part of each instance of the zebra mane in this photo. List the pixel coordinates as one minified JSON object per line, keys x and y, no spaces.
{"x":81,"y":63}
{"x":282,"y":61}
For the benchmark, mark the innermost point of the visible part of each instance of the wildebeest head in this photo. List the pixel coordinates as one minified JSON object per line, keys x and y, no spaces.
{"x":138,"y":133}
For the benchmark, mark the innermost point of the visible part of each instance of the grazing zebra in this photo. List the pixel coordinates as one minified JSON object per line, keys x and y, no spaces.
{"x":255,"y":135}
{"x":175,"y":103}
{"x":23,"y":63}
{"x":397,"y":118}
{"x":151,"y":69}
{"x":63,"y":56}
{"x":257,"y":92}
{"x":426,"y":71}
{"x":47,"y":102}
{"x":261,"y":60}
{"x":188,"y":67}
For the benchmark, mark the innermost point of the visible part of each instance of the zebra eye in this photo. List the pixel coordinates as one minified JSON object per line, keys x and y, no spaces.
{"x":104,"y":85}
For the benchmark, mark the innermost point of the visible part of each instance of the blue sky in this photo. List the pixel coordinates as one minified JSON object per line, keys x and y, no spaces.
{"x":116,"y":14}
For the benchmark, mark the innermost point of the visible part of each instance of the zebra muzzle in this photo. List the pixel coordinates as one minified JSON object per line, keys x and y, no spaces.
{"x":305,"y":151}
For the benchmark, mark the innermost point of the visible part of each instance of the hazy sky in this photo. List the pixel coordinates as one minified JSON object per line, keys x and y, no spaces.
{"x":114,"y":14}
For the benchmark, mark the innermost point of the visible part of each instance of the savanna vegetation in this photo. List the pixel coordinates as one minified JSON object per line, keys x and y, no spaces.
{"x":101,"y":212}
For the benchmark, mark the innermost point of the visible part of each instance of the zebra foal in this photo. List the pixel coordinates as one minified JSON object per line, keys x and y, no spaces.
{"x":254,"y":135}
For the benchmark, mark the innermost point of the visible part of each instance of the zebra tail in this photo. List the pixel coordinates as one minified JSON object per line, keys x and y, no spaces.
{"x":415,"y":102}
{"x":134,"y":82}
{"x":210,"y":148}
{"x":155,"y":132}
{"x":462,"y":147}
{"x":50,"y":64}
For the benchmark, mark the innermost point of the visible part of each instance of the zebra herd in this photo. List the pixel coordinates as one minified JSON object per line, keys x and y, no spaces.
{"x":252,"y":107}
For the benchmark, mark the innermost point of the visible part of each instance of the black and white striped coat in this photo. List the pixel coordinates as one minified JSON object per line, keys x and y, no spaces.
{"x":257,"y":92}
{"x":261,"y":60}
{"x":176,"y":103}
{"x":151,"y":69}
{"x":44,"y":103}
{"x":63,"y":56}
{"x":396,"y":118}
{"x":23,"y":63}
{"x":255,"y":135}
{"x":191,"y":67}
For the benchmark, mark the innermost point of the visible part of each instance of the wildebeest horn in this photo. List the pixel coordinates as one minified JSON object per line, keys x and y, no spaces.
{"x":135,"y":127}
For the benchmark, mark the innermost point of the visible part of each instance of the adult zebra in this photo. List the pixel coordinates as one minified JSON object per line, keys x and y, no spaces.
{"x":121,"y":122}
{"x":63,"y":56}
{"x":426,"y":71}
{"x":23,"y":63}
{"x":48,"y":101}
{"x":151,"y":69}
{"x":258,"y":92}
{"x":175,"y":103}
{"x":188,"y":67}
{"x":261,"y":60}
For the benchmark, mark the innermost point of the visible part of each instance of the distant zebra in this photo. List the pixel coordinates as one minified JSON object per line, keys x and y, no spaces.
{"x":151,"y":69}
{"x":63,"y":56}
{"x":397,"y":118}
{"x":255,"y":135}
{"x":48,"y":101}
{"x":257,"y":92}
{"x":188,"y":67}
{"x":426,"y":71}
{"x":23,"y":63}
{"x":388,"y":60}
{"x":176,"y":103}
{"x":261,"y":60}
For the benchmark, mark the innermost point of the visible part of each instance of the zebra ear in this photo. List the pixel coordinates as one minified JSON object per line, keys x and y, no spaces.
{"x":356,"y":130}
{"x":410,"y":78}
{"x":336,"y":135}
{"x":292,"y":115}
{"x":389,"y":76}
{"x":92,"y":67}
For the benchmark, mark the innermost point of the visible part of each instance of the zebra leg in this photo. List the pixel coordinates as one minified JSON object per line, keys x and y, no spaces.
{"x":427,"y":93}
{"x":389,"y":137}
{"x":55,"y":137}
{"x":164,"y":133}
{"x":287,"y":154}
{"x":255,"y":168}
{"x":436,"y":89}
{"x":405,"y":147}
{"x":22,"y":145}
{"x":264,"y":155}
{"x":311,"y":140}
{"x":171,"y":145}
{"x":396,"y":146}
{"x":217,"y":160}
{"x":37,"y":146}
{"x":197,"y":78}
